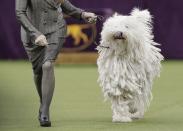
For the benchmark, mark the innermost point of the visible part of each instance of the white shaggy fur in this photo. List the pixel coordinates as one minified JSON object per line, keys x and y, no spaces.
{"x":128,"y":67}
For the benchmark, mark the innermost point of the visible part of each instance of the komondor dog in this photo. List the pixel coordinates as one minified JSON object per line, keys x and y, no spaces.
{"x":128,"y":63}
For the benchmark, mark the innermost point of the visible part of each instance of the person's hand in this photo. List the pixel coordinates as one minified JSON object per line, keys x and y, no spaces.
{"x":41,"y":40}
{"x":89,"y":17}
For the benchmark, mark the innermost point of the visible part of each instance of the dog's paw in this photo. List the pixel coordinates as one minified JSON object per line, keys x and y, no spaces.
{"x":122,"y":119}
{"x":137,"y":115}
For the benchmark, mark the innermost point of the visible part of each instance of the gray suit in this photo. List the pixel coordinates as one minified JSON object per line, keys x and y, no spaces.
{"x":43,"y":17}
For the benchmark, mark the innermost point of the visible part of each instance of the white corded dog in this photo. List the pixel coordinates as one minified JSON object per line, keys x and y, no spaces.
{"x":128,"y":63}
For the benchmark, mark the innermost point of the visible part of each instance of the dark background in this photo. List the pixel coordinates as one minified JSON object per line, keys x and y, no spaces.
{"x":168,"y":23}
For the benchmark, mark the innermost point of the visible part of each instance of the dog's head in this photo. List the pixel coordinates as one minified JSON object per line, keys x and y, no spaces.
{"x":128,"y":30}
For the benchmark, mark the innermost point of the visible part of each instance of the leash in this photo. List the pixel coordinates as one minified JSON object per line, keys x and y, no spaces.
{"x":99,"y":18}
{"x":140,"y":4}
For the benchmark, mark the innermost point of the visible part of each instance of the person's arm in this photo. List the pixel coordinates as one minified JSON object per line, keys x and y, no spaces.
{"x":71,"y":10}
{"x":75,"y":12}
{"x":21,"y":8}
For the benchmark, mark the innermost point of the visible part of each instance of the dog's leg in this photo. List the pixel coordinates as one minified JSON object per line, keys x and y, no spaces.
{"x":132,"y":107}
{"x":120,"y":110}
{"x":137,"y":108}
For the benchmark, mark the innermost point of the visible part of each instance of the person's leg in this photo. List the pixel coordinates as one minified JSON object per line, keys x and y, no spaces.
{"x":48,"y":85}
{"x":38,"y":83}
{"x":35,"y":55}
{"x":48,"y":80}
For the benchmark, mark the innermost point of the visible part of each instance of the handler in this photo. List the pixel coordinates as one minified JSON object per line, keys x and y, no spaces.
{"x":43,"y":32}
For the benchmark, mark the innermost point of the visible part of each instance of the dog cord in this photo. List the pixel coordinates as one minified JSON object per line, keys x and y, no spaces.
{"x":99,"y":18}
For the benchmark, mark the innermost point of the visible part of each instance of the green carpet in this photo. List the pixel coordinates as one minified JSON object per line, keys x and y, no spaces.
{"x":78,"y":102}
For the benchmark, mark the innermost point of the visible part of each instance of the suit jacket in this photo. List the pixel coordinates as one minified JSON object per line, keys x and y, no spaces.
{"x":43,"y":17}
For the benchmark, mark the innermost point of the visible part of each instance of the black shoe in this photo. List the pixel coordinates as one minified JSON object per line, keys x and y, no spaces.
{"x":44,"y":122}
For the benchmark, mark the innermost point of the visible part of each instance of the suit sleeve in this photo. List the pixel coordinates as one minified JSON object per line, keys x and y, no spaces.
{"x":21,"y":8}
{"x":71,"y":10}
